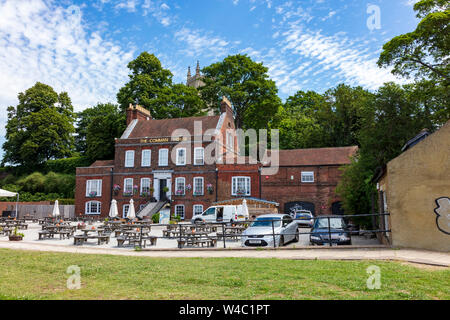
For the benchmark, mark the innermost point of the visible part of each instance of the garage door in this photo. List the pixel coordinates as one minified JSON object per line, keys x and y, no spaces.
{"x":299,"y":205}
{"x":336,"y":208}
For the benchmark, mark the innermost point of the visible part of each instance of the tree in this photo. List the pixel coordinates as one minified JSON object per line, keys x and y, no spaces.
{"x":97,"y":128}
{"x":341,"y":115}
{"x":151,"y":86}
{"x":312,"y":120}
{"x":388,"y":119}
{"x":246,"y":84}
{"x":424,"y":52}
{"x":298,"y":122}
{"x":40,"y":127}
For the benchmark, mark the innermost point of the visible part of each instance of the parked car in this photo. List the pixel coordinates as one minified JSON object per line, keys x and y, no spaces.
{"x":260,"y":232}
{"x":320,"y":233}
{"x":226,"y":213}
{"x":304,"y":218}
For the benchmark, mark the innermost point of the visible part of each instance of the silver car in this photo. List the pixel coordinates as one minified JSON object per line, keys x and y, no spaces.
{"x":261,"y":233}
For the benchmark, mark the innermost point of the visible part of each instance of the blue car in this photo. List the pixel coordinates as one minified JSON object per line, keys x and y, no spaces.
{"x":320,"y":233}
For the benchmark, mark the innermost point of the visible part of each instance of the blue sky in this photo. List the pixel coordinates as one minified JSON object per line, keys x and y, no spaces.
{"x":83,"y":47}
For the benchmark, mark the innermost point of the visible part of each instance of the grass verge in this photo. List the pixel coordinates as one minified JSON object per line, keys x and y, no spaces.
{"x":43,"y":275}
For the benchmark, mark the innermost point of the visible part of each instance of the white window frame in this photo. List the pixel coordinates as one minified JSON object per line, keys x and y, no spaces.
{"x":198,"y":206}
{"x":124,"y":215}
{"x":230,"y":141}
{"x":142,"y":184}
{"x":98,"y":187}
{"x":178,"y":162}
{"x":184,"y":210}
{"x":176,"y":186}
{"x":125,"y":185}
{"x":129,"y":159}
{"x":203,"y":186}
{"x":143,"y":163}
{"x":248,"y":183}
{"x":307,"y":174}
{"x":160,"y":158}
{"x":202,"y":158}
{"x":88,"y":208}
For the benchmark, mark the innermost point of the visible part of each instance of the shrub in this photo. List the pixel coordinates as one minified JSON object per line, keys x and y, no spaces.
{"x":155,"y":218}
{"x":67,"y":165}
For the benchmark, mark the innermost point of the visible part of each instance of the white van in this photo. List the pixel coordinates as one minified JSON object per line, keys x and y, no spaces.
{"x":229,"y":213}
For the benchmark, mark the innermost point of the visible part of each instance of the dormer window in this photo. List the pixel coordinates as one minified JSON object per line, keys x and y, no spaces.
{"x":230,"y":141}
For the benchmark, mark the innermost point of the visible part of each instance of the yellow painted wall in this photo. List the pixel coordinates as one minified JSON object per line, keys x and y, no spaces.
{"x":416,"y":179}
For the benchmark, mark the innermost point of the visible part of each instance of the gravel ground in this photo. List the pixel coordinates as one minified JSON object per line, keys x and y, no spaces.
{"x":32,"y":236}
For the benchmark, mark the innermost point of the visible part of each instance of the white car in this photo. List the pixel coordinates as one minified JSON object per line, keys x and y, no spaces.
{"x":226,"y":213}
{"x":304,"y":218}
{"x":261,"y":233}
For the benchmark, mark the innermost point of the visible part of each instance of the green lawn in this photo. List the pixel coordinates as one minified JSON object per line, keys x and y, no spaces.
{"x":42,"y":275}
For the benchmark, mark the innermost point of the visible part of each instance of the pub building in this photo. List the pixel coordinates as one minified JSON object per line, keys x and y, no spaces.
{"x":166,"y":163}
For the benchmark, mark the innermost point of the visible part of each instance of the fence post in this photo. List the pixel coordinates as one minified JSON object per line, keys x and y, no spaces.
{"x":329,"y":231}
{"x":180,"y":245}
{"x":140,"y":237}
{"x":273,"y":234}
{"x":223,"y":234}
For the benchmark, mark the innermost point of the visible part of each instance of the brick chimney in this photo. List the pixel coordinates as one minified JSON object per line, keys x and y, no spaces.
{"x":137,"y":112}
{"x":225,"y":106}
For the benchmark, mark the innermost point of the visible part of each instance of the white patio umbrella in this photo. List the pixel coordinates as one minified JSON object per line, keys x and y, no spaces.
{"x":55,"y":212}
{"x":245,"y":208}
{"x":131,"y":212}
{"x":6,"y":193}
{"x":113,"y":212}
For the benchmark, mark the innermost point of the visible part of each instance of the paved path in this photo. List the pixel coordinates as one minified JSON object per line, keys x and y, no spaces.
{"x":308,"y":253}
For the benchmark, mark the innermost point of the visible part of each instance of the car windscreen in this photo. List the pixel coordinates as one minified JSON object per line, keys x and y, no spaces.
{"x":266,"y":222}
{"x":335,"y":223}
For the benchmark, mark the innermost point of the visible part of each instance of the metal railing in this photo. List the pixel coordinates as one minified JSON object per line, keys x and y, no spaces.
{"x":181,"y":234}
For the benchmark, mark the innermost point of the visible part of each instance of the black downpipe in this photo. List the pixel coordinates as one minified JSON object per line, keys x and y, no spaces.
{"x":217,"y":182}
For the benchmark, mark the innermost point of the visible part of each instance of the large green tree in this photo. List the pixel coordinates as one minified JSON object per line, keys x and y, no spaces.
{"x":151,"y":86}
{"x":424,"y":52}
{"x":247,"y":85}
{"x":40,"y":127}
{"x":312,"y":120}
{"x":389,"y":119}
{"x":298,"y":121}
{"x":97,"y":128}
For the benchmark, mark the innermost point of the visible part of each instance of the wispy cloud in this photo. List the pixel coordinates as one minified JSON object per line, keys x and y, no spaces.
{"x":202,"y":43}
{"x":349,"y":59}
{"x":51,"y":45}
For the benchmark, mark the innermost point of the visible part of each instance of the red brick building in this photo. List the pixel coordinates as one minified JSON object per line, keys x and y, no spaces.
{"x":174,"y":161}
{"x":307,"y":179}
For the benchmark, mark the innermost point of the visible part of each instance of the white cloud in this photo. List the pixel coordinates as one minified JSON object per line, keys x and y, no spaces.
{"x":337,"y":53}
{"x":159,"y":10}
{"x":40,"y":41}
{"x":129,"y":5}
{"x":200,"y":43}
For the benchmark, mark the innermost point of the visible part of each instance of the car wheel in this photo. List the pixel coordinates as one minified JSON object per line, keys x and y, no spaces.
{"x":297,"y":237}
{"x":281,"y":242}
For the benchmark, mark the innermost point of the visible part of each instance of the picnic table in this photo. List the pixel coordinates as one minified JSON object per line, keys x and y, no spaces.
{"x":101,"y":236}
{"x":5,"y":231}
{"x":196,"y":238}
{"x":134,"y":237}
{"x":232,"y":233}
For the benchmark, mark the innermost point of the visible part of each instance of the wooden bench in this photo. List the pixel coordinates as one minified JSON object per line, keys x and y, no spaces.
{"x":152,"y":240}
{"x":46,"y":235}
{"x":131,"y":241}
{"x":79,"y":239}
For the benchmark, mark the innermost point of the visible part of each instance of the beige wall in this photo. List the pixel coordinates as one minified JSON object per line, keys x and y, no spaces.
{"x":415,"y":180}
